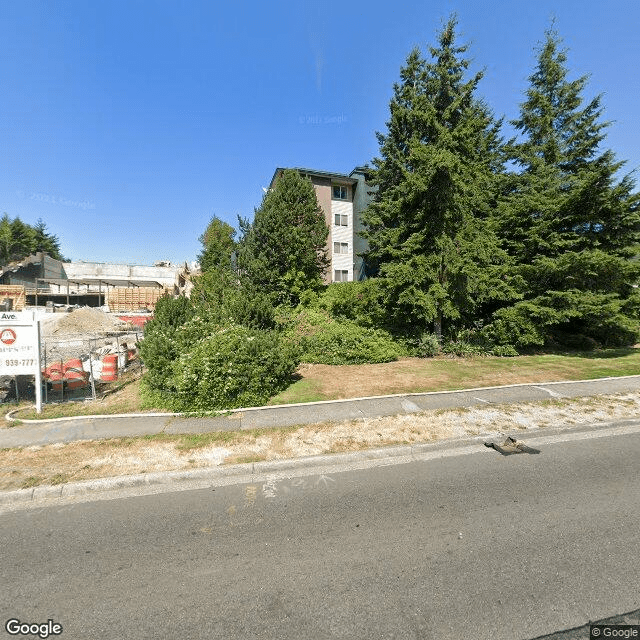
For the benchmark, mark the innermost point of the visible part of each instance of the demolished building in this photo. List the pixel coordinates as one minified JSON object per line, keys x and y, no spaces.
{"x":43,"y":279}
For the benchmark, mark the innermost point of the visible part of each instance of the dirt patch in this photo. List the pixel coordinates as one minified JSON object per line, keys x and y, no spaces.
{"x":61,"y":463}
{"x":82,"y":321}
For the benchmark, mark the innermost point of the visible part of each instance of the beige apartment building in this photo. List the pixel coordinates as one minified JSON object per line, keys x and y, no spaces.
{"x":342,"y":198}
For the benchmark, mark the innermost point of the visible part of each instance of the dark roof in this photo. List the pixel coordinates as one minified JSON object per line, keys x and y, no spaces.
{"x":341,"y":177}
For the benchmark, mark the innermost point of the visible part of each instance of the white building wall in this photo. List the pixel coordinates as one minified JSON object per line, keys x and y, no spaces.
{"x":342,"y":261}
{"x":166,"y":276}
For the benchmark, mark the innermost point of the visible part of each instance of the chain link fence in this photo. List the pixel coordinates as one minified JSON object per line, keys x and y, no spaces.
{"x":86,"y":366}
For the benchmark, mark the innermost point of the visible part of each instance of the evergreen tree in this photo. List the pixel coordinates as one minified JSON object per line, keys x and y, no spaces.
{"x":45,"y":241}
{"x":429,"y":233}
{"x":218,"y":245}
{"x":6,"y":239}
{"x":23,"y":239}
{"x":283,"y":251}
{"x":18,"y":240}
{"x":570,"y":225}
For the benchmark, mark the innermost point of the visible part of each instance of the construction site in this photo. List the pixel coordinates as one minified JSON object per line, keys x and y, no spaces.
{"x":91,"y":318}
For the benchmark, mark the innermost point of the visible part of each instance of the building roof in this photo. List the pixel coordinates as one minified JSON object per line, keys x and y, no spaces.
{"x":343,"y":178}
{"x":98,"y":281}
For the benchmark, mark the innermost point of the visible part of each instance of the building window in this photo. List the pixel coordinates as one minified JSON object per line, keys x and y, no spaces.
{"x":340,"y":192}
{"x":340,"y":247}
{"x":341,"y":220}
{"x":340,"y":275}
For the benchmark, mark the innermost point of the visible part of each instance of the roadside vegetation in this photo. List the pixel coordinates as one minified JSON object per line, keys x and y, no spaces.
{"x":59,"y":464}
{"x":489,"y":261}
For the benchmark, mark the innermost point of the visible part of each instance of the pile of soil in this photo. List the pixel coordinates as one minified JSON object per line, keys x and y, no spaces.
{"x":85,"y":321}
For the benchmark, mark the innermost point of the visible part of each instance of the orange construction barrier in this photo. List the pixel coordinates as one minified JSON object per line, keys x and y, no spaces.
{"x":110,"y":368}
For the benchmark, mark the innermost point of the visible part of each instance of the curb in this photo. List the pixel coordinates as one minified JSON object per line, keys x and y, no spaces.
{"x":10,"y":418}
{"x":209,"y":477}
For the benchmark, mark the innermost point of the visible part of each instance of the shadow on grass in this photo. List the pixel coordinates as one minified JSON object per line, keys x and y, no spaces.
{"x":591,"y":354}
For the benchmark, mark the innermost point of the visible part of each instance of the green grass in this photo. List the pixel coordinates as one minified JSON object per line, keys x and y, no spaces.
{"x":59,"y":478}
{"x":427,"y":374}
{"x":300,"y":391}
{"x":32,"y":481}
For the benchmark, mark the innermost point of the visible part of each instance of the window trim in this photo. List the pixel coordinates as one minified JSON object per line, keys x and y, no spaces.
{"x":342,"y":248}
{"x":340,"y":186}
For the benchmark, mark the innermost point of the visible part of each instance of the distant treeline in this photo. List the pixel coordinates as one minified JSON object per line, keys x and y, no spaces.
{"x":19,"y":240}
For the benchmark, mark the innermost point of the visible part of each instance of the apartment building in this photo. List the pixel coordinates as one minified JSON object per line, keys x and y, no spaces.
{"x":342,"y":198}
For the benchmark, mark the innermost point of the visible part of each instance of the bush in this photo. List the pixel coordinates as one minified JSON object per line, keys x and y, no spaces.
{"x":171,"y":312}
{"x":360,"y":302}
{"x":222,"y":297}
{"x":344,"y":342}
{"x":428,"y":346}
{"x":505,"y":351}
{"x":159,"y":348}
{"x":462,"y":349}
{"x":235,"y":367}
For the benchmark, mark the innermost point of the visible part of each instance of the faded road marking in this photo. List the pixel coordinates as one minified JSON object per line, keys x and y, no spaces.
{"x":551,"y":393}
{"x":250,"y":494}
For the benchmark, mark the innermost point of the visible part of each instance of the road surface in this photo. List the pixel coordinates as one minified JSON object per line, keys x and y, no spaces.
{"x":473,"y":545}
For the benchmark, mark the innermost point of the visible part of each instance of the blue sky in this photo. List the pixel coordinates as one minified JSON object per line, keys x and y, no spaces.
{"x":126,"y":125}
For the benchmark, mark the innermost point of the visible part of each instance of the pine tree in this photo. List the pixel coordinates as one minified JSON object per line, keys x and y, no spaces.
{"x":19,"y":240}
{"x":218,"y":245}
{"x":428,"y":230}
{"x":283,"y":251}
{"x":569,"y":224}
{"x":23,"y":239}
{"x":45,"y":241}
{"x":6,"y":239}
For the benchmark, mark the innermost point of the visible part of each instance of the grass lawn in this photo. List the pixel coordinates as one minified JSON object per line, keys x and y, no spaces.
{"x":414,"y":375}
{"x":409,"y":375}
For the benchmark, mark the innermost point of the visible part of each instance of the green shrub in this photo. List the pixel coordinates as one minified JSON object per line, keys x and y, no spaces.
{"x":234,"y":367}
{"x":343,"y":342}
{"x":360,"y":302}
{"x":428,"y":346}
{"x":171,"y":312}
{"x":222,"y":297}
{"x":159,"y":348}
{"x":505,"y":351}
{"x":462,"y":349}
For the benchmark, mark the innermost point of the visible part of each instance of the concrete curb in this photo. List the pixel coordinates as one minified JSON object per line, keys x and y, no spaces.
{"x":10,"y":418}
{"x":210,"y":477}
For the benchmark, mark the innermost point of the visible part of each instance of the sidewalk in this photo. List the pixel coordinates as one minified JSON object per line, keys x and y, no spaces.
{"x":30,"y":433}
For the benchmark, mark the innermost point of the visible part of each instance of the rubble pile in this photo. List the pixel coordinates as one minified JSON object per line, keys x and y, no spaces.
{"x":85,"y":333}
{"x":84,"y":321}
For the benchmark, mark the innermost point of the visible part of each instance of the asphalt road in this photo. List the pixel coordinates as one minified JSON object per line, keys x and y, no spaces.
{"x":473,"y":545}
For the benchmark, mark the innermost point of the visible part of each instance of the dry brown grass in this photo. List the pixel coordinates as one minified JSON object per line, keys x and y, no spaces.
{"x":61,"y":463}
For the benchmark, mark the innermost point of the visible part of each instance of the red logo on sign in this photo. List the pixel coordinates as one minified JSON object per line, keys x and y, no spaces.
{"x":8,"y":336}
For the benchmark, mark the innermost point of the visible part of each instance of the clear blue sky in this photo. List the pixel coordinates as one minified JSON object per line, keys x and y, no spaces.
{"x":126,"y":125}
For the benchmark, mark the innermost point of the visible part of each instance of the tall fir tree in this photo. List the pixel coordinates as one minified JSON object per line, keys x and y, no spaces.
{"x":45,"y":241}
{"x":283,"y":251}
{"x":19,"y":239}
{"x":568,"y":222}
{"x":218,"y":245}
{"x":429,"y":232}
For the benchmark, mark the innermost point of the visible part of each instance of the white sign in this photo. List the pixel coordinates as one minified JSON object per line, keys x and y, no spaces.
{"x":19,"y":352}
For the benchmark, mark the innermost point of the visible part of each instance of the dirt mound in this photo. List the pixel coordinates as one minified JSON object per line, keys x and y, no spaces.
{"x":85,"y":321}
